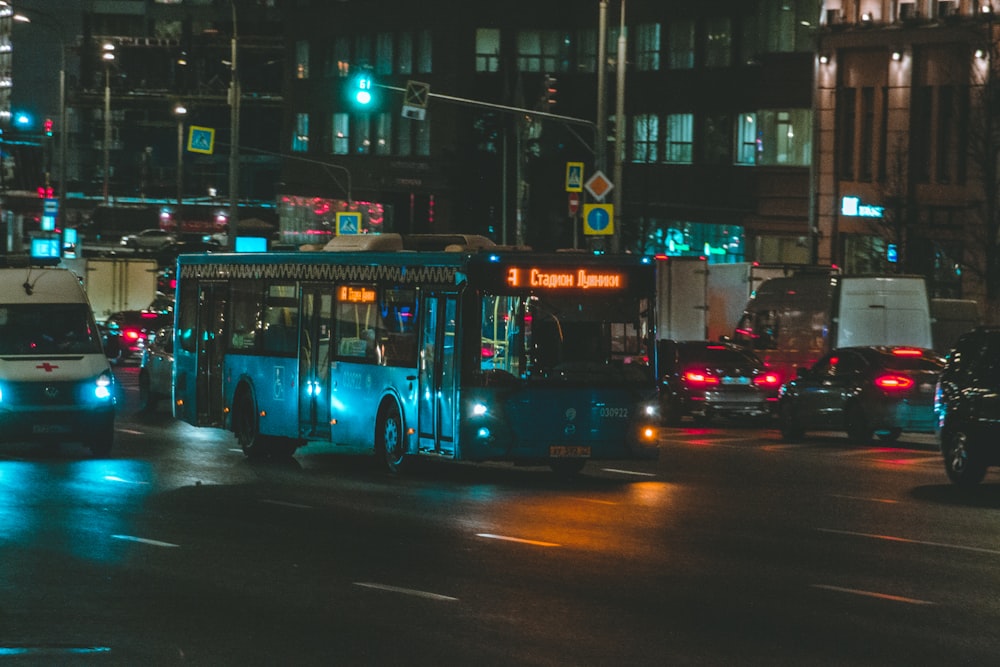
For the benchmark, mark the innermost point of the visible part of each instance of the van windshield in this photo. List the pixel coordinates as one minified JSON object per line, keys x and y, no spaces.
{"x":49,"y":328}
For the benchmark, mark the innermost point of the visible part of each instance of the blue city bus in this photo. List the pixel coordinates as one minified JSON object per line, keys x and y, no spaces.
{"x":468,"y":351}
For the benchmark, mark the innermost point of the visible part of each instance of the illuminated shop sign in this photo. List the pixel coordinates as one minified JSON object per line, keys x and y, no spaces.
{"x":534,"y":277}
{"x":349,"y":294}
{"x":853,"y":206}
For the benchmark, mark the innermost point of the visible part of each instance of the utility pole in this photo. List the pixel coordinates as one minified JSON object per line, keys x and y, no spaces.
{"x":234,"y":139}
{"x":617,"y":197}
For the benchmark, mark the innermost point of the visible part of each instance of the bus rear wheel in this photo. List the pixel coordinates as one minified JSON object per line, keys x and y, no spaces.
{"x":389,"y":439}
{"x":245,"y":427}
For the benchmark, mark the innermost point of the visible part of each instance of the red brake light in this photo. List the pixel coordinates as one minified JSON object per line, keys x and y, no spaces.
{"x":893,"y":382}
{"x":908,"y":352}
{"x":131,"y":334}
{"x":698,"y":377}
{"x":767,"y":380}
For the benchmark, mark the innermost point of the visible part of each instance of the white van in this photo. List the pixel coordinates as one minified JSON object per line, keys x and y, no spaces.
{"x":55,"y":382}
{"x":791,"y":322}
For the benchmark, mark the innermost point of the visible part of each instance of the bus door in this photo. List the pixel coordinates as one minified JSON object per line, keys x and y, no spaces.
{"x":314,"y":361}
{"x":438,"y":374}
{"x":211,"y":336}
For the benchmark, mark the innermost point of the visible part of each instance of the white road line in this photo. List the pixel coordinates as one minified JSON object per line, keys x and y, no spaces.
{"x":282,"y":503}
{"x":130,"y":431}
{"x":143,"y":540}
{"x":629,"y":472}
{"x":869,"y":500}
{"x":52,"y":651}
{"x":906,"y":540}
{"x":871,"y":594}
{"x":536,"y":543}
{"x":595,"y":501}
{"x":406,"y":591}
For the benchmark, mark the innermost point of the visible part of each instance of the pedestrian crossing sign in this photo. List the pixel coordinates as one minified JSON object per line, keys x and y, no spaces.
{"x":201,"y":139}
{"x":348,"y":222}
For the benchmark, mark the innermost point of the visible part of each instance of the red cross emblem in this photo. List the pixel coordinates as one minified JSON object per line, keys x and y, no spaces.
{"x":47,"y":366}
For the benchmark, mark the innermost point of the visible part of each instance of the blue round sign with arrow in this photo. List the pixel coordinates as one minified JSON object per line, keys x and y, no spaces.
{"x":598,"y":219}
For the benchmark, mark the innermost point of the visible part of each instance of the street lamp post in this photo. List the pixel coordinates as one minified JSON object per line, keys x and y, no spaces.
{"x":108,"y":56}
{"x":180,"y":111}
{"x":234,"y":138}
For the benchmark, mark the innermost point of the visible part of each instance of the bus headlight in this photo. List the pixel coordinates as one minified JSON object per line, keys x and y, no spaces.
{"x":478,"y":409}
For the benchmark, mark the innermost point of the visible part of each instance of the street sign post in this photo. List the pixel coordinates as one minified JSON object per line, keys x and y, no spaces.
{"x":598,"y":185}
{"x":348,"y":222}
{"x":574,"y":177}
{"x":201,"y":139}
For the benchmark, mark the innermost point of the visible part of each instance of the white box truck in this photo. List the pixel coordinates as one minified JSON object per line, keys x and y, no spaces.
{"x":116,"y":283}
{"x":791,"y":322}
{"x":55,"y":382}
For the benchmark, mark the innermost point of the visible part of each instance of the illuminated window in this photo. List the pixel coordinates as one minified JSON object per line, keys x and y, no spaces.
{"x":424,"y":53}
{"x":784,"y":137}
{"x":645,"y":138}
{"x":542,"y":51}
{"x":302,"y":59}
{"x":300,"y":139}
{"x":404,"y":131}
{"x":361,"y":135}
{"x":487,"y":50}
{"x":341,"y":134}
{"x":680,"y":138}
{"x":746,"y":138}
{"x":404,"y":54}
{"x":383,"y":134}
{"x":383,"y":53}
{"x":647,"y":50}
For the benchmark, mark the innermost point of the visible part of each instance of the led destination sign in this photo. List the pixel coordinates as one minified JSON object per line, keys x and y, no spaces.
{"x":349,"y":294}
{"x":564,"y":278}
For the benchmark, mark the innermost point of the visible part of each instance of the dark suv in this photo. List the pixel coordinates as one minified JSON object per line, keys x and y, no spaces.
{"x":968,"y":406}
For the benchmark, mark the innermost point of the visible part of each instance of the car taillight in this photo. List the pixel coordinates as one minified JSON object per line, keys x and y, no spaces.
{"x":699,"y":378}
{"x":908,"y":352}
{"x":893,"y":382}
{"x":767,"y":380}
{"x":131,"y":334}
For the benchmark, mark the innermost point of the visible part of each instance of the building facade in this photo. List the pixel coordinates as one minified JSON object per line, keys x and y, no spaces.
{"x":905,"y":140}
{"x":716,"y":146}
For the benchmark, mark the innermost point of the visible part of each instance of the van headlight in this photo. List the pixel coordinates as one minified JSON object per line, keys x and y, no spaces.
{"x":104,"y":386}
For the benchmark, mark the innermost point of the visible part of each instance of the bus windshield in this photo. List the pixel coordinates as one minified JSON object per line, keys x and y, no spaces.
{"x":567,"y":338}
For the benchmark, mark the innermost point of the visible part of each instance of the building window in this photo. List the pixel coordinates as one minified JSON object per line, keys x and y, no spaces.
{"x":424,"y":53}
{"x":785,"y":137}
{"x":746,"y":138}
{"x":647,"y":49}
{"x":867,"y":149}
{"x":718,"y":42}
{"x":923,"y":137}
{"x":848,"y":117}
{"x":339,"y":57}
{"x":680,"y":44}
{"x":790,"y":25}
{"x":383,"y":53}
{"x":302,"y":59}
{"x":645,"y":138}
{"x":487,"y":50}
{"x":542,"y":51}
{"x":363,"y":50}
{"x":341,"y":134}
{"x":422,"y":140}
{"x":300,"y":140}
{"x":404,"y":131}
{"x":716,"y":143}
{"x":404,"y":54}
{"x":586,"y":51}
{"x":361,"y":135}
{"x":383,"y":134}
{"x":680,"y":137}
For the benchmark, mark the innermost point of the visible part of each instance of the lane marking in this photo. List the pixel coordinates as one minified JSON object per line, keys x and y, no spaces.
{"x":51,"y":651}
{"x":519,"y":540}
{"x":143,"y":540}
{"x":130,"y":431}
{"x":595,"y":501}
{"x":871,"y":594}
{"x":629,"y":472}
{"x":406,"y":591}
{"x":870,"y":500}
{"x":283,"y":503}
{"x":906,"y":540}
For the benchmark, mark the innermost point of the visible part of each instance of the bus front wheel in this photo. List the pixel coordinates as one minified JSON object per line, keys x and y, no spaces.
{"x":389,"y":439}
{"x":245,"y":427}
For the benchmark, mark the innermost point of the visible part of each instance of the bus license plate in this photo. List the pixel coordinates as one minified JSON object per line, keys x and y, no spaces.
{"x":569,"y":451}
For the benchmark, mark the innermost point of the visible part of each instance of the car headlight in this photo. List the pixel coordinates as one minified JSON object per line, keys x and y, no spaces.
{"x":104,"y":386}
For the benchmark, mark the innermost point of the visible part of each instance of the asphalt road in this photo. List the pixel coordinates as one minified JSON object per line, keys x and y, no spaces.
{"x":733,"y":549}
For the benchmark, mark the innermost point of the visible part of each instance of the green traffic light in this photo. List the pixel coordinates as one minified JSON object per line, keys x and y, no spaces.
{"x":363,"y":89}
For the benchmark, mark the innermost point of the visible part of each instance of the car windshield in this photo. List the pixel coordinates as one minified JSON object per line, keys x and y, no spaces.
{"x":714,"y":354}
{"x":50,"y":328}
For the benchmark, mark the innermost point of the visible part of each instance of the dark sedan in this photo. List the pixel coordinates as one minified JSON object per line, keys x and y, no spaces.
{"x":866,"y":391}
{"x":705,"y":379}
